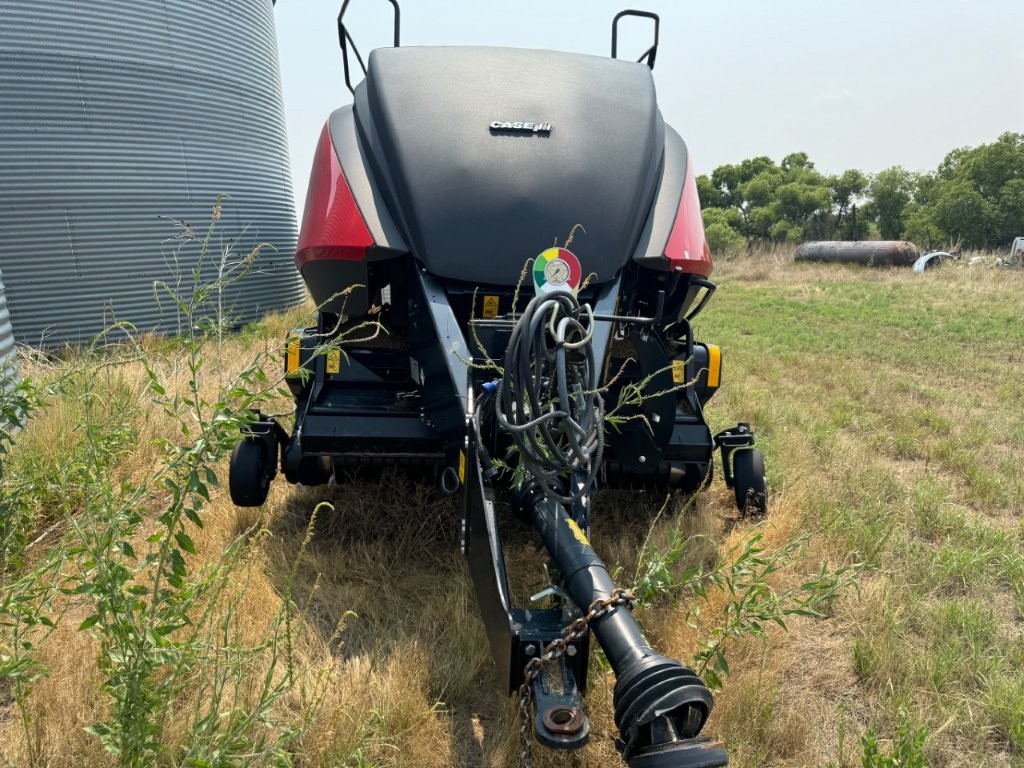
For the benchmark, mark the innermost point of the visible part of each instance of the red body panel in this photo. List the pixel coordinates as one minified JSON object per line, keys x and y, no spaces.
{"x":332,"y":226}
{"x":686,"y":246}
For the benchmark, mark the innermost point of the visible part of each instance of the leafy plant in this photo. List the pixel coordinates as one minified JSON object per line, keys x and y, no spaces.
{"x":907,"y":748}
{"x":154,"y":613}
{"x":752,"y":604}
{"x":744,"y":574}
{"x":656,"y":574}
{"x":27,"y":613}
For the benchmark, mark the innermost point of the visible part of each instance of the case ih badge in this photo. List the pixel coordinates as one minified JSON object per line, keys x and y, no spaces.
{"x":519,"y":126}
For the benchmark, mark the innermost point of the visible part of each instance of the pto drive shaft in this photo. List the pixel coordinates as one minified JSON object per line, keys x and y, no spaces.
{"x":660,"y":705}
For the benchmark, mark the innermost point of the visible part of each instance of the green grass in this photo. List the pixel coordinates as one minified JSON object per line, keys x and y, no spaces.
{"x":897,"y":402}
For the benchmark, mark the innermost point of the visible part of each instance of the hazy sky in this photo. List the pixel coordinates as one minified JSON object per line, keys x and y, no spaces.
{"x":856,"y":84}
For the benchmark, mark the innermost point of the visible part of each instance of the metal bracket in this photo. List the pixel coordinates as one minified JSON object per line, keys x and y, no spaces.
{"x":559,"y":720}
{"x":271,"y":434}
{"x":709,"y":291}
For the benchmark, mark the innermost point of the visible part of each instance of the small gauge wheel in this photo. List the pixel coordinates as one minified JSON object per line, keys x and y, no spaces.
{"x":749,"y":482}
{"x":248,"y":475}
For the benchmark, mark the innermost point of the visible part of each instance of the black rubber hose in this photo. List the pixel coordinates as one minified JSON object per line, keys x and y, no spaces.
{"x":548,"y":399}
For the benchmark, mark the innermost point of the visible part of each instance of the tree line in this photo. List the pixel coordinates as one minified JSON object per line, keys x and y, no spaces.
{"x":974,"y":199}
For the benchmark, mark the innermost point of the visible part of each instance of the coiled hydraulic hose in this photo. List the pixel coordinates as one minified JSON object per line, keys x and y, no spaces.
{"x":548,"y":399}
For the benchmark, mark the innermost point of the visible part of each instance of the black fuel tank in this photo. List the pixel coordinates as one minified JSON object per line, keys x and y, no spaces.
{"x":475,"y":201}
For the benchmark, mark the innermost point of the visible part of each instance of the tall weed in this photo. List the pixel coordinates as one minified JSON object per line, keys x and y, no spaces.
{"x":27,"y":611}
{"x":183,"y":681}
{"x":744,"y":578}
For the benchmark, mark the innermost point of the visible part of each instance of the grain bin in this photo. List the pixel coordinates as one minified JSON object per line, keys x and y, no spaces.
{"x":118,"y":118}
{"x":8,"y":359}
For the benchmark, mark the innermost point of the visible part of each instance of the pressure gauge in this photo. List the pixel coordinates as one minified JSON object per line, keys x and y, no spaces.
{"x":557,"y":269}
{"x":556,"y":272}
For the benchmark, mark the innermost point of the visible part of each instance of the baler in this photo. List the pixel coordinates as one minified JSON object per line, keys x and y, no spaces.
{"x":506,"y":252}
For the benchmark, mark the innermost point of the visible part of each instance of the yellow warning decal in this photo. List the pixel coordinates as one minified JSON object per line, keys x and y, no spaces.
{"x":292,"y":357}
{"x":490,"y":307}
{"x":679,"y":371}
{"x":333,"y":360}
{"x":462,"y":467}
{"x":578,"y":533}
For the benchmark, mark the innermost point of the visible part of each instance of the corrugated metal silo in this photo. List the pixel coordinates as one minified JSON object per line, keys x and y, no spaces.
{"x":8,"y":361}
{"x":118,"y":117}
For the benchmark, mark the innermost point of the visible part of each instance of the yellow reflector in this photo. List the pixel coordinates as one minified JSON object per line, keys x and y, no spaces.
{"x":714,"y":366}
{"x":462,"y":467}
{"x":292,"y":358}
{"x":333,"y":360}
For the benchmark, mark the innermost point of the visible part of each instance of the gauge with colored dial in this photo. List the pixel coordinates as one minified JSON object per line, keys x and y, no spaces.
{"x":557,"y":269}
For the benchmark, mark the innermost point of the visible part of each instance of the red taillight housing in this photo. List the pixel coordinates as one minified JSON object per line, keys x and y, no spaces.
{"x":332,"y":226}
{"x":686,"y":247}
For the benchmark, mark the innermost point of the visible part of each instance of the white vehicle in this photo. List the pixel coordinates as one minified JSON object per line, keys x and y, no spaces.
{"x":1017,"y":251}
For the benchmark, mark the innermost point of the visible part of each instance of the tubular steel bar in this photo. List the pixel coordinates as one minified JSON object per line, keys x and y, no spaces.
{"x":345,"y":40}
{"x":651,"y":52}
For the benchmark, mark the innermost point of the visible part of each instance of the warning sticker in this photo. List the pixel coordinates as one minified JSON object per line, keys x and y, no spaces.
{"x":679,"y":371}
{"x":333,"y":360}
{"x":490,"y":307}
{"x":581,"y":537}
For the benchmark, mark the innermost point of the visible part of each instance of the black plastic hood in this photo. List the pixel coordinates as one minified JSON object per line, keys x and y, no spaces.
{"x":475,"y":201}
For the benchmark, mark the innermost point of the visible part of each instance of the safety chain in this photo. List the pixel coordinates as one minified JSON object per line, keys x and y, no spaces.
{"x":552,"y":651}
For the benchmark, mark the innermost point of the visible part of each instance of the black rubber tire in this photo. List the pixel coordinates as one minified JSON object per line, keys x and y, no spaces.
{"x":749,"y":482}
{"x":248,"y":479}
{"x":314,"y":470}
{"x":709,"y":476}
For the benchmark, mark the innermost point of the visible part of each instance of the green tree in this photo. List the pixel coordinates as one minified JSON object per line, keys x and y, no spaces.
{"x":976,"y":196}
{"x":779,"y":203}
{"x":890,"y":192}
{"x":963,"y":213}
{"x":989,"y":166}
{"x":729,"y":178}
{"x":1010,"y":210}
{"x":806,"y":205}
{"x":846,"y":189}
{"x":796,"y":161}
{"x":918,"y":225}
{"x":710,"y":196}
{"x":721,"y":230}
